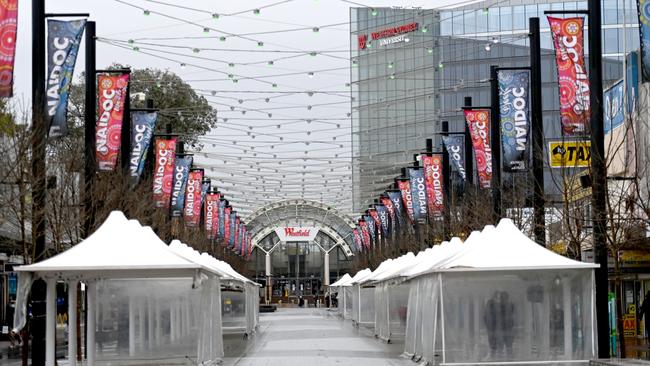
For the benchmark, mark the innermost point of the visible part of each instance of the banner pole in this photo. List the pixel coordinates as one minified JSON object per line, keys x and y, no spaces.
{"x":537,"y":128}
{"x":446,"y":179}
{"x":495,"y":129}
{"x":469,"y":154}
{"x":125,"y":149}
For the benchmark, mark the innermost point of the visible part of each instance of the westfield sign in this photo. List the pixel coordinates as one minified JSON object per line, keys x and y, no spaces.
{"x":388,"y":36}
{"x":293,"y":233}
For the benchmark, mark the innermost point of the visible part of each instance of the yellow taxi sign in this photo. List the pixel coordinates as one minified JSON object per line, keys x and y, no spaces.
{"x":569,"y":154}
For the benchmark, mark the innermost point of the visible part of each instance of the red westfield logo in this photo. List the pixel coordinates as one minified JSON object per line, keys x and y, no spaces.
{"x":289,"y":231}
{"x":362,"y":41}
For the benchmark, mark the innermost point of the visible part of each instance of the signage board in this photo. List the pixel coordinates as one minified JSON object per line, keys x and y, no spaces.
{"x":569,"y":154}
{"x":388,"y":35}
{"x":295,"y":233}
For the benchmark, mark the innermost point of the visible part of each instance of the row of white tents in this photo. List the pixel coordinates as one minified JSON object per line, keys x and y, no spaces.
{"x":146,"y":300}
{"x":496,"y":298}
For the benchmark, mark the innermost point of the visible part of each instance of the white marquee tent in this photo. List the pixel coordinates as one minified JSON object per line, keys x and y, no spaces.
{"x":144,"y":300}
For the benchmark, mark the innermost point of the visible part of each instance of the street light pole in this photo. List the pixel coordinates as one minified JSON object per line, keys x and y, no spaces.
{"x":537,"y":129}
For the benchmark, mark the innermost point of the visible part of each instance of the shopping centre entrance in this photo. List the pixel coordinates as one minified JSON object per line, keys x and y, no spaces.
{"x":299,"y":248}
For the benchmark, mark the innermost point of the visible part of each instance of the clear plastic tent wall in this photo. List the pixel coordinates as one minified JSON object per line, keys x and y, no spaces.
{"x":391,"y":306}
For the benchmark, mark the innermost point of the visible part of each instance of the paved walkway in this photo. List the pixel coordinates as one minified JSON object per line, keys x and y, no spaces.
{"x":311,"y":337}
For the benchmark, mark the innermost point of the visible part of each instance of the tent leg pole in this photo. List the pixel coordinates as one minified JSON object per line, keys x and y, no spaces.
{"x":150,"y":319}
{"x":50,"y":323}
{"x":90,"y":327}
{"x":141,"y":323}
{"x":72,"y":322}
{"x":131,"y":326}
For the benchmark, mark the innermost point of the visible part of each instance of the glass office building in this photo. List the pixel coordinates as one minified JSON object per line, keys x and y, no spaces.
{"x":406,"y":81}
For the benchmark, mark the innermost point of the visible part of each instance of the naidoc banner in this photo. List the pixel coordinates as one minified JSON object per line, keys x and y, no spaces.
{"x":418,"y":193}
{"x":390,"y":209}
{"x":455,"y":145}
{"x":249,"y":241}
{"x":181,"y":172}
{"x":233,"y":223}
{"x":222,"y":218}
{"x":205,"y":187}
{"x":192,"y":210}
{"x":165,"y":152}
{"x":372,"y":228}
{"x":226,"y":223}
{"x":514,"y":119}
{"x":384,"y":219}
{"x":396,"y":199}
{"x":237,"y":234}
{"x":215,"y":216}
{"x":478,"y":122}
{"x":375,"y":217}
{"x":365,"y":235}
{"x":404,"y":186}
{"x":210,"y":214}
{"x":63,"y":38}
{"x":357,"y":239}
{"x":568,"y":40}
{"x":142,"y":126}
{"x":108,"y":131}
{"x":432,"y":165}
{"x":8,"y":28}
{"x":644,"y":31}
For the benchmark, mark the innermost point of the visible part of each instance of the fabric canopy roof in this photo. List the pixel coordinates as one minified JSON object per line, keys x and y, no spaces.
{"x":208,"y":262}
{"x":342,"y":281}
{"x":118,"y":248}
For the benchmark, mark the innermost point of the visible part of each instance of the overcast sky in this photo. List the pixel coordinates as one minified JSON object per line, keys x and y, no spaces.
{"x":299,"y":137}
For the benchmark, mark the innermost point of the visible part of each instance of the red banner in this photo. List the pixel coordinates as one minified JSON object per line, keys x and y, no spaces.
{"x":405,"y":188}
{"x":165,"y":150}
{"x":568,"y":40}
{"x":211,"y":218}
{"x":192,"y":210}
{"x":226,"y":223}
{"x":391,"y":210}
{"x":111,"y":90}
{"x":365,"y":234}
{"x":433,"y":182}
{"x":8,"y":27}
{"x":478,"y":122}
{"x":375,"y":217}
{"x":237,"y":228}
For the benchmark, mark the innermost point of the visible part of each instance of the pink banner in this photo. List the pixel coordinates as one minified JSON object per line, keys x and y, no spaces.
{"x":8,"y":28}
{"x":433,"y":182}
{"x":165,"y":150}
{"x":478,"y":122}
{"x":405,"y":188}
{"x":211,"y":219}
{"x":226,"y":223}
{"x":111,"y":90}
{"x":192,"y":211}
{"x":365,"y":234}
{"x":568,"y":40}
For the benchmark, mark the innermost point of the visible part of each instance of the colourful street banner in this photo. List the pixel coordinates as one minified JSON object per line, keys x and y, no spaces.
{"x":478,"y":122}
{"x":644,"y":31}
{"x":237,"y":234}
{"x":396,"y":198}
{"x":404,"y":186}
{"x":8,"y":27}
{"x":165,"y":152}
{"x":222,"y":211}
{"x":226,"y":223}
{"x":514,"y":119}
{"x":63,"y":38}
{"x":357,"y":239}
{"x":384,"y":220}
{"x":210,"y":215}
{"x":455,"y":145}
{"x":432,"y":165}
{"x":418,"y":193}
{"x":568,"y":40}
{"x":111,"y":93}
{"x":372,"y":229}
{"x":192,"y":210}
{"x":233,"y":223}
{"x":181,"y":172}
{"x":365,"y":235}
{"x":392,"y":215}
{"x":375,"y":217}
{"x":142,"y":126}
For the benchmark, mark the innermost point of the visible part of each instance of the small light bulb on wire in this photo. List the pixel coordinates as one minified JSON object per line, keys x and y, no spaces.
{"x":488,"y":47}
{"x":256,"y":11}
{"x":215,"y":16}
{"x":310,"y":74}
{"x":183,"y":65}
{"x":146,"y":12}
{"x":222,"y":38}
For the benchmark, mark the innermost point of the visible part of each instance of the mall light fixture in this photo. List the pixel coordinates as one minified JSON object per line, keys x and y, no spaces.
{"x":429,"y":50}
{"x":374,"y":12}
{"x":390,"y":65}
{"x":495,"y":40}
{"x":425,"y":29}
{"x":488,"y":47}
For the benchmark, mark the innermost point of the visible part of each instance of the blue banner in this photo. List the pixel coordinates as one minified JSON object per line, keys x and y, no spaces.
{"x":205,"y":186}
{"x":396,"y":197}
{"x":233,"y":222}
{"x":142,"y":126}
{"x":371,"y":228}
{"x":644,"y":31}
{"x":613,"y":112}
{"x":63,"y":38}
{"x":221,"y":212}
{"x":632,"y":80}
{"x":455,"y":145}
{"x":418,"y":193}
{"x":181,"y":171}
{"x":382,"y":211}
{"x":514,"y":115}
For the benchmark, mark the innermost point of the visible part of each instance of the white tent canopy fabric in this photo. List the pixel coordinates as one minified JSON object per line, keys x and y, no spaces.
{"x":498,"y":297}
{"x":140,"y":281}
